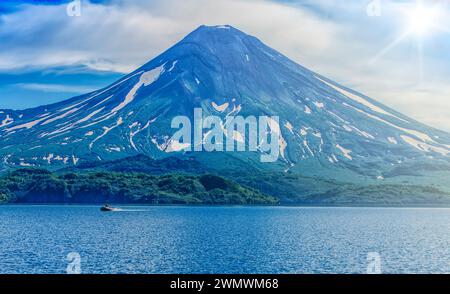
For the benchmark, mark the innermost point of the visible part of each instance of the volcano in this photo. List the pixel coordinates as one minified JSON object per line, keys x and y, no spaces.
{"x":331,"y":136}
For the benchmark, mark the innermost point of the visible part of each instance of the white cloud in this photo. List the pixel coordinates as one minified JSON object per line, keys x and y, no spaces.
{"x":57,"y":88}
{"x":123,"y":36}
{"x":128,"y":35}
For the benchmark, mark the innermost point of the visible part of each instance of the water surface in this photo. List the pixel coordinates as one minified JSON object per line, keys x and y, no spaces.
{"x":37,"y":239}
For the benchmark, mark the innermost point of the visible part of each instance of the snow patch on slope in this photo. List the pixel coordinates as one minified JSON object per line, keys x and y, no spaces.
{"x":134,"y":131}
{"x":347,"y":128}
{"x":319,"y":104}
{"x":345,"y":152}
{"x":106,"y":130}
{"x":359,"y":99}
{"x":392,"y":140}
{"x":146,"y":79}
{"x":176,"y":146}
{"x":173,"y":65}
{"x":27,"y":125}
{"x":220,"y":108}
{"x":75,"y":159}
{"x":424,"y":146}
{"x":289,"y":126}
{"x":307,"y":110}
{"x":415,"y":133}
{"x":60,"y":116}
{"x":7,"y":121}
{"x":88,"y":117}
{"x":303,"y":131}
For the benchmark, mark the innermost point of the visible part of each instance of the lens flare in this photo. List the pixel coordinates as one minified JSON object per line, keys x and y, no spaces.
{"x":422,"y":19}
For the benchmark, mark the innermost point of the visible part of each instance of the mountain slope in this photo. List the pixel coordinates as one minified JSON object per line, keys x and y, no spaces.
{"x":41,"y":186}
{"x":327,"y":130}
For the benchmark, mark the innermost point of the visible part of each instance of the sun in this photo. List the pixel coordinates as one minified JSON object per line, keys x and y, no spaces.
{"x":422,"y":19}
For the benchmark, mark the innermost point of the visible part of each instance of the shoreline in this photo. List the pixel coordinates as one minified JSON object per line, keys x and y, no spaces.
{"x":119,"y":205}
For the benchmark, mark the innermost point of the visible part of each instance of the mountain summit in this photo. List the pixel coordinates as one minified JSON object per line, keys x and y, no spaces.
{"x":326,"y":129}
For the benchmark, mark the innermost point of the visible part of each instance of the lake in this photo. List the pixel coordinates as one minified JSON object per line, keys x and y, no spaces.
{"x":176,"y":239}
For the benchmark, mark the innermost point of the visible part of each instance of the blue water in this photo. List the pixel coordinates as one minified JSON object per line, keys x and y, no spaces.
{"x":37,"y":239}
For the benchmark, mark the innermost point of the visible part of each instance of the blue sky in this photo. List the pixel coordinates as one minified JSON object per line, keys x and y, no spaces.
{"x":47,"y":56}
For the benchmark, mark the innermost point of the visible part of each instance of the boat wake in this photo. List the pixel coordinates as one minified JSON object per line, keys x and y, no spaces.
{"x":127,"y":210}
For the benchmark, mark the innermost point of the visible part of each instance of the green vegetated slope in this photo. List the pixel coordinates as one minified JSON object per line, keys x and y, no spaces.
{"x":306,"y":190}
{"x":141,"y":179}
{"x":42,"y":186}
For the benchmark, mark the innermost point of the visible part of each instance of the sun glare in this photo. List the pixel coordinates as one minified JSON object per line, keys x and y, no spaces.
{"x":422,"y":19}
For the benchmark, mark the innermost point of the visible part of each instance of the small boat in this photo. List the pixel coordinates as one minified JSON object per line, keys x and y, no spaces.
{"x":106,"y":207}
